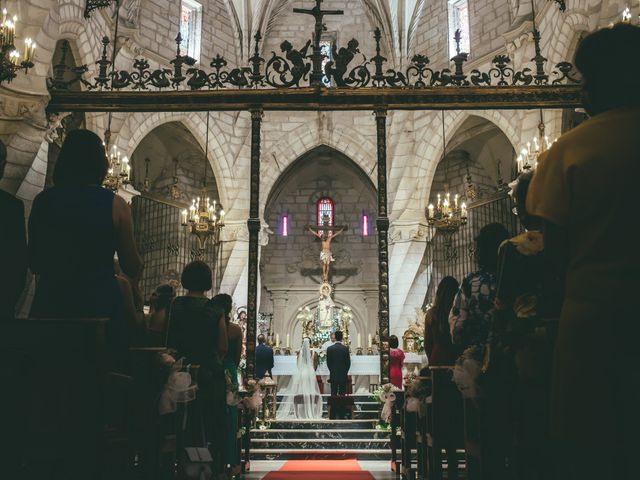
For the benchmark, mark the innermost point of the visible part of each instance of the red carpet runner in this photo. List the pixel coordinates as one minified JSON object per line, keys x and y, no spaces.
{"x":320,"y":470}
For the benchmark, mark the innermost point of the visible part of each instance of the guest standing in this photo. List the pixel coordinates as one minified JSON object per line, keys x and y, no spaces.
{"x":338,"y":363}
{"x":75,"y":228}
{"x":396,"y":361}
{"x":585,"y":190}
{"x":470,"y":317}
{"x":437,"y":337}
{"x":198,"y":331}
{"x":264,"y":358}
{"x":13,"y":247}
{"x":158,"y":317}
{"x":441,"y":352}
{"x":230,"y":364}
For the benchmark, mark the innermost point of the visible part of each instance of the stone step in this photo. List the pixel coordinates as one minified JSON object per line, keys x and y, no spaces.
{"x":324,"y":424}
{"x":358,"y":397}
{"x":284,"y":433}
{"x":319,"y":444}
{"x":327,"y":454}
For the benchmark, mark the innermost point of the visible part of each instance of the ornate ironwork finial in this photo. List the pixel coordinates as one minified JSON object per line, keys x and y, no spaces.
{"x":256,"y":78}
{"x":378,"y":60}
{"x":457,"y":37}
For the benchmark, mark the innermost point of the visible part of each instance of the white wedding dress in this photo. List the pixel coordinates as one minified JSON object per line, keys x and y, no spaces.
{"x":302,"y":400}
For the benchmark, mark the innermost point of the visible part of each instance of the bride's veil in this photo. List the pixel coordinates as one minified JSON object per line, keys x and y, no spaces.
{"x":302,"y":400}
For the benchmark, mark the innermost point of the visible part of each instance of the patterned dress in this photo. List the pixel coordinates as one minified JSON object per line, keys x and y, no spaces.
{"x":470,"y":317}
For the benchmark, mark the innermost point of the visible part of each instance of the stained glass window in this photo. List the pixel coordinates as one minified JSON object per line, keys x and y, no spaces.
{"x":285,"y":225}
{"x":190,"y":28}
{"x":325,"y":48}
{"x":325,"y":207}
{"x":365,"y":225}
{"x":459,"y":20}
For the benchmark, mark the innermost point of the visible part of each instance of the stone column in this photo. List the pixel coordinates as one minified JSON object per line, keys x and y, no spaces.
{"x":253,"y":224}
{"x":279,"y":301}
{"x":382,"y":223}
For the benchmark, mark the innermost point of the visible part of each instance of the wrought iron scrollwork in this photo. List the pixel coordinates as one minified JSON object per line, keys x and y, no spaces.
{"x":285,"y":73}
{"x":564,"y":74}
{"x":292,"y":68}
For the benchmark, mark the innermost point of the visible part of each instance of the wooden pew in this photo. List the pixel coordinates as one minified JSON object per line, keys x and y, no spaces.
{"x":395,"y":423}
{"x":445,"y":415}
{"x":54,"y":378}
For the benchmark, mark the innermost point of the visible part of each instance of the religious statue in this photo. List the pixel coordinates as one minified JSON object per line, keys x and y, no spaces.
{"x":326,"y":234}
{"x":298,"y":66}
{"x":325,"y":307}
{"x":338,"y":65}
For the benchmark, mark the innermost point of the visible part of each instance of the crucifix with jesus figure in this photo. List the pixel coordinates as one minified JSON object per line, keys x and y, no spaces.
{"x":326,"y":232}
{"x":316,"y":58}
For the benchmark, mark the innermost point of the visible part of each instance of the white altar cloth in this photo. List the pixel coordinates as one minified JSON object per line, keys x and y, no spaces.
{"x":360,"y":364}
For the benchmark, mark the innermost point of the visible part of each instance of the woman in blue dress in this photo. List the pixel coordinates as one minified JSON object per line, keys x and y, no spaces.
{"x":75,"y":229}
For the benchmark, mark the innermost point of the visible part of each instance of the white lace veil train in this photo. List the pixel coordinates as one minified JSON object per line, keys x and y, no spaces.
{"x":302,"y":400}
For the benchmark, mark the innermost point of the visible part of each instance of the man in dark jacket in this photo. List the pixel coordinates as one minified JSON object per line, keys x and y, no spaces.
{"x":339,"y":363}
{"x":264,"y":358}
{"x":13,"y":247}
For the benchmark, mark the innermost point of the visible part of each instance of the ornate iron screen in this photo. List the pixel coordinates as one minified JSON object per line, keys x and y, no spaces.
{"x":164,"y":246}
{"x":454,"y":253}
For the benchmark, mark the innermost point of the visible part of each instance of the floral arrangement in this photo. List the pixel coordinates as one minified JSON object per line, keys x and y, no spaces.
{"x":416,"y":391}
{"x":385,"y":394}
{"x":322,"y":356}
{"x":319,"y":338}
{"x":467,"y":369}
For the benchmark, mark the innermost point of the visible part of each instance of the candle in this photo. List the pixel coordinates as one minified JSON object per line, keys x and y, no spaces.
{"x":463,"y":213}
{"x":184,"y":216}
{"x":430,"y":210}
{"x":359,"y":342}
{"x":277,"y":339}
{"x":288,"y":345}
{"x":370,"y":341}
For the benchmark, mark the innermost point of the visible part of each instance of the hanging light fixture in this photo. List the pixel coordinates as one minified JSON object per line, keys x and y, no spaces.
{"x":119,"y":172}
{"x":528,"y":158}
{"x":204,"y":218}
{"x":10,"y":60}
{"x":447,"y":214}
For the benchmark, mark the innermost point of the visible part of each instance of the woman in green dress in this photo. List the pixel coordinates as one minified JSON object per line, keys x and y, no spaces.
{"x":230,"y":364}
{"x":198,"y":331}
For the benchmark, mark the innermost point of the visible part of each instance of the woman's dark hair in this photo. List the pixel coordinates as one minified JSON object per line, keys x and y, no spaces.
{"x":445,"y":293}
{"x":196,"y":277}
{"x":520,"y":199}
{"x":393,"y":342}
{"x":487,"y":243}
{"x":600,"y":53}
{"x":225,"y":302}
{"x":82,"y":160}
{"x":162,"y":297}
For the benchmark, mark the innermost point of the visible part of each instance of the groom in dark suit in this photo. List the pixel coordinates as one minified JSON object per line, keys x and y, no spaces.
{"x":264,"y":358}
{"x":338,"y":362}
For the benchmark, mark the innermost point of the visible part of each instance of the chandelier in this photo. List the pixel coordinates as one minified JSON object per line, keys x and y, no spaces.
{"x":119,"y":171}
{"x":528,"y":158}
{"x":204,"y":218}
{"x":446,"y":215}
{"x":10,"y":61}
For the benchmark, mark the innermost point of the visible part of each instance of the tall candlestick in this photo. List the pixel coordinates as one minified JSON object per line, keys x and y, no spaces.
{"x":359,"y":343}
{"x":277,"y":339}
{"x":370,"y":344}
{"x":288,"y":346}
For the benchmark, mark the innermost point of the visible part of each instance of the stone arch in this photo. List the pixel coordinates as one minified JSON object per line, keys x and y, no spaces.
{"x":431,"y":148}
{"x":296,"y":143}
{"x":136,"y":126}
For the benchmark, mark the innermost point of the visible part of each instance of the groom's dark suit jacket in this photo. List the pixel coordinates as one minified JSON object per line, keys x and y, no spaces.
{"x":338,"y":362}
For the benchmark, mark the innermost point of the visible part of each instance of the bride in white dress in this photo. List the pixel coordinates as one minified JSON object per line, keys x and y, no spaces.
{"x":302,"y":400}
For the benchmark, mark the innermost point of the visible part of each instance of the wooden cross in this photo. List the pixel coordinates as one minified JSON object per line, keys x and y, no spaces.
{"x":317,"y":74}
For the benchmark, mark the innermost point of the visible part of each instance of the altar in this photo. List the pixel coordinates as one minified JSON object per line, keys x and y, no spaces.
{"x":363,"y":367}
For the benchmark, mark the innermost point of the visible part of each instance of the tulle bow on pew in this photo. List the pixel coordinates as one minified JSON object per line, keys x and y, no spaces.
{"x":178,"y":389}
